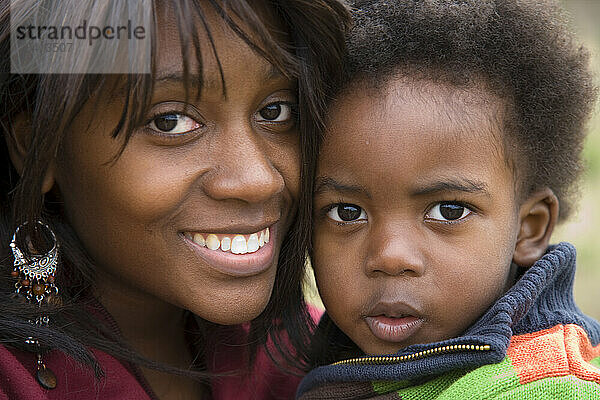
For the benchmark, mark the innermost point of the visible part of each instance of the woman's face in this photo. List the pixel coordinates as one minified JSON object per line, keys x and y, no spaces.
{"x":194,"y":211}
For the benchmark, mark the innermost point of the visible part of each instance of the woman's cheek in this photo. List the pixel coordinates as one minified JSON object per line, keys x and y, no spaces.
{"x":288,"y":164}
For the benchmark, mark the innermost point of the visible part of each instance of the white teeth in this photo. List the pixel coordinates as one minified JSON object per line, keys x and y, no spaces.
{"x":225,"y":243}
{"x":253,"y":243}
{"x":199,"y":239}
{"x":238,"y":245}
{"x":212,"y":242}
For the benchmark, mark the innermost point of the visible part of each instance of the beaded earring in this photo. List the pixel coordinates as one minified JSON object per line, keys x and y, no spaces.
{"x":35,"y":284}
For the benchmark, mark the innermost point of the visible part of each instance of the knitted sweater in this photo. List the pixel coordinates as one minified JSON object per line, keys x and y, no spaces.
{"x":533,"y":343}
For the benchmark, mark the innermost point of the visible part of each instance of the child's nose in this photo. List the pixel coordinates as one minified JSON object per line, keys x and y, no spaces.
{"x":394,"y":256}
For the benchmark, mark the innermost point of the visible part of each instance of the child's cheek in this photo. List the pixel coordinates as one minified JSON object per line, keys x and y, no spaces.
{"x":336,"y":261}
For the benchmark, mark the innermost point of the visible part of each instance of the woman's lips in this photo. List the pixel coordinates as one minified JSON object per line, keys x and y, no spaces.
{"x":237,"y":265}
{"x":394,"y":329}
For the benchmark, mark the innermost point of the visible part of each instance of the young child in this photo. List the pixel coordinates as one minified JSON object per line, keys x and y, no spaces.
{"x":450,"y":155}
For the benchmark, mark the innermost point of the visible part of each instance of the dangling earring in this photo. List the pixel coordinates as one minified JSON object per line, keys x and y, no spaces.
{"x":35,"y":283}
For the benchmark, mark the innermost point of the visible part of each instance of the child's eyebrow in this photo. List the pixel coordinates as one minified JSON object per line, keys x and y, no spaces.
{"x":325,"y":183}
{"x":452,"y":185}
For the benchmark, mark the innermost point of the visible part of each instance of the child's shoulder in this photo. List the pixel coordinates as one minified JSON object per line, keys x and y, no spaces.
{"x":562,"y":350}
{"x":548,"y":364}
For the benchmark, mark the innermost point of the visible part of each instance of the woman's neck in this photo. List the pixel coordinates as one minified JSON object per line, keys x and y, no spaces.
{"x":156,"y":330}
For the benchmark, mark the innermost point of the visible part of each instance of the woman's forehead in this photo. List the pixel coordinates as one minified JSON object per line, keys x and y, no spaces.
{"x":209,"y":41}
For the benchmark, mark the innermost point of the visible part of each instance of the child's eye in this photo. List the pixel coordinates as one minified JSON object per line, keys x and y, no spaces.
{"x":276,"y":112}
{"x":448,"y":211}
{"x":173,"y":123}
{"x":345,"y":212}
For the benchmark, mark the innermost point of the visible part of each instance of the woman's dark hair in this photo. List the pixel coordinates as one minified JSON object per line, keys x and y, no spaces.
{"x":312,"y":53}
{"x":522,"y":51}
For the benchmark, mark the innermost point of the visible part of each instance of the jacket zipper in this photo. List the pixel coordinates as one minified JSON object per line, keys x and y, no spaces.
{"x":384,"y":360}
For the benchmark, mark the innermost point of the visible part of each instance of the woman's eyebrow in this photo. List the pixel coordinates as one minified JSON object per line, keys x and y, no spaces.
{"x":196,"y":81}
{"x":177,"y":77}
{"x":325,"y":183}
{"x":270,"y":73}
{"x":273,"y":73}
{"x":165,"y":79}
{"x":459,"y":184}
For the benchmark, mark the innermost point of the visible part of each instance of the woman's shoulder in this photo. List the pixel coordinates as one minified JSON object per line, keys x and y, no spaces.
{"x":74,"y":381}
{"x":266,"y":379}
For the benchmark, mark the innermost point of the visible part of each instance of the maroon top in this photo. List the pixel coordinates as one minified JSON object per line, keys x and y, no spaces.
{"x":122,"y":381}
{"x":17,"y":377}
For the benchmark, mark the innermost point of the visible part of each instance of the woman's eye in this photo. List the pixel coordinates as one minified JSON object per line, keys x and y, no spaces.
{"x":448,"y":212}
{"x":276,"y":112}
{"x":173,"y":123}
{"x":346,"y":213}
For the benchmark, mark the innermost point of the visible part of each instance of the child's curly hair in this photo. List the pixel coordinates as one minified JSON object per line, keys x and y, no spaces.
{"x":524,"y":52}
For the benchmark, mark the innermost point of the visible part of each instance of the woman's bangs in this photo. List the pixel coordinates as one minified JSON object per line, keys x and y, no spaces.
{"x":246,"y":21}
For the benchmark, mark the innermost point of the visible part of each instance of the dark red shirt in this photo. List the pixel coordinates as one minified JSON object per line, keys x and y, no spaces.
{"x":264,"y":382}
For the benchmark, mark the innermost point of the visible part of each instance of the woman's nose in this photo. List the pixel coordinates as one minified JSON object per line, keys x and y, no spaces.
{"x":243,"y":171}
{"x":395,"y":254}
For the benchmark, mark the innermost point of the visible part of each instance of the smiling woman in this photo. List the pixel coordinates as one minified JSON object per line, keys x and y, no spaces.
{"x":169,"y":200}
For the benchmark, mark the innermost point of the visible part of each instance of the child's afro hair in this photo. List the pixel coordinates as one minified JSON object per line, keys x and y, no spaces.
{"x":523,"y":50}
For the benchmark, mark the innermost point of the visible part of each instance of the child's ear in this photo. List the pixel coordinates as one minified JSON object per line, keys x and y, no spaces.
{"x":17,"y":141}
{"x":537,"y":218}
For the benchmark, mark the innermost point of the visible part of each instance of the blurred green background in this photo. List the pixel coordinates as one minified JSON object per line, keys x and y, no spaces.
{"x":583,"y":228}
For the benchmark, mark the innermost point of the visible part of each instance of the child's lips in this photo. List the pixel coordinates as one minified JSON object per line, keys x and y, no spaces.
{"x":394,"y":329}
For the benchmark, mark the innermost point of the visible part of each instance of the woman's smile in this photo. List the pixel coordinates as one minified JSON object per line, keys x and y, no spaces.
{"x":236,"y":243}
{"x":235,"y":254}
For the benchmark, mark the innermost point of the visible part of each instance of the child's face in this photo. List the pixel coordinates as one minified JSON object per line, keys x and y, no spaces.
{"x":416,"y":217}
{"x":227,"y":166}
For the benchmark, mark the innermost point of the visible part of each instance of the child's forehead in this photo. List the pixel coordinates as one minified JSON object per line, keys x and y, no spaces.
{"x":413,"y":131}
{"x":416,"y":100}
